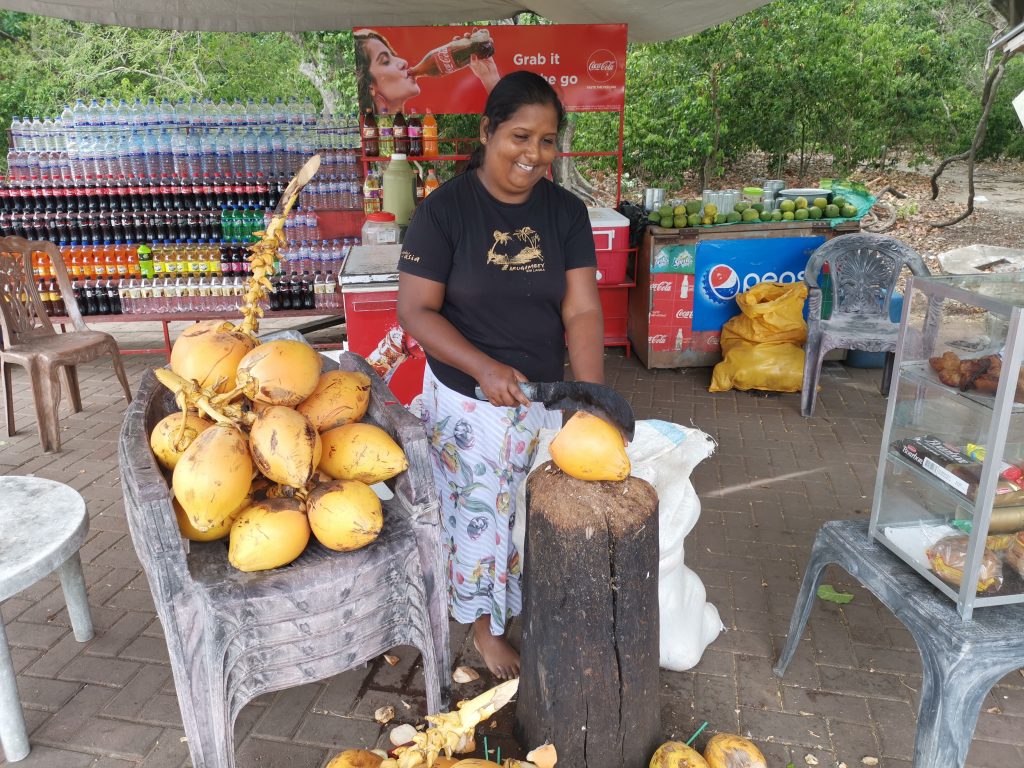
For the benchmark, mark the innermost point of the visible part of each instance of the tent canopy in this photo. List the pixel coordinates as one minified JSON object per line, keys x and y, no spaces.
{"x":648,"y":20}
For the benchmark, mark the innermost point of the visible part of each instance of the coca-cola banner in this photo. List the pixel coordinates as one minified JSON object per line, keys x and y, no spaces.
{"x":451,"y":70}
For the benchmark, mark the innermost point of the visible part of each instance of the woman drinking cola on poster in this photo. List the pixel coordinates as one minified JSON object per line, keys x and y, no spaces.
{"x":385,"y":80}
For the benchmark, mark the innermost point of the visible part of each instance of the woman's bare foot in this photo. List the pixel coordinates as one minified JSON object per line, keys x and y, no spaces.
{"x":499,"y":656}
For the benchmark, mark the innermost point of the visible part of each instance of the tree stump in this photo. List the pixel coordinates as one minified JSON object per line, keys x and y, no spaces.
{"x":589,"y":669}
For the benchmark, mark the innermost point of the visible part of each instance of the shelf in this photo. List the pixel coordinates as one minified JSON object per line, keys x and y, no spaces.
{"x":922,"y":373}
{"x":930,"y":480}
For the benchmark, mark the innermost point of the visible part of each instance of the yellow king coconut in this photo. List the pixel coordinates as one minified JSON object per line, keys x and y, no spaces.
{"x":164,"y":439}
{"x":361,"y":452}
{"x":340,"y":398}
{"x":675,"y":754}
{"x":209,"y":352}
{"x":285,"y":446}
{"x":727,"y":750}
{"x":589,"y":448}
{"x":268,"y":534}
{"x":280,"y":372}
{"x":357,"y":758}
{"x":213,"y":476}
{"x":345,"y":515}
{"x":218,"y":531}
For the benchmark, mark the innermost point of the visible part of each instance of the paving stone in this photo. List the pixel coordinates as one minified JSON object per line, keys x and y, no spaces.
{"x":801,"y":730}
{"x":853,"y":709}
{"x":339,"y":733}
{"x":257,"y":751}
{"x":100,"y":670}
{"x":990,"y":754}
{"x":47,"y":757}
{"x":284,"y":715}
{"x":169,"y":751}
{"x":118,"y":636}
{"x":43,"y":693}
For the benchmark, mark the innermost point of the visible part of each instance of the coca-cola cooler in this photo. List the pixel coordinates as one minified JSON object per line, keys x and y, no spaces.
{"x":369,"y":287}
{"x":688,"y":279}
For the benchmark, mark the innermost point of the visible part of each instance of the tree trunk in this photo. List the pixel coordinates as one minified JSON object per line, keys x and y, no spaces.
{"x":711,"y":161}
{"x":995,"y":75}
{"x":589,"y":672}
{"x":312,"y":68}
{"x":565,"y":171}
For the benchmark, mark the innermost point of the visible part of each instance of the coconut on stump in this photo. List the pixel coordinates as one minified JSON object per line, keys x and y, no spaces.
{"x":589,"y":671}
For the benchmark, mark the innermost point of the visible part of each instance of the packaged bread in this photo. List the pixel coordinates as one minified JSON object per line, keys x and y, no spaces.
{"x":1015,"y":553}
{"x":947,"y":557}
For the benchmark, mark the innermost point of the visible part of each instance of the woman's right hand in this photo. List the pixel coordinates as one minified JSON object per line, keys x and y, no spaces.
{"x":500,"y":384}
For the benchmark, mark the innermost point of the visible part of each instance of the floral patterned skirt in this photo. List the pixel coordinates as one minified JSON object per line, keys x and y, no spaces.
{"x":480,"y":455}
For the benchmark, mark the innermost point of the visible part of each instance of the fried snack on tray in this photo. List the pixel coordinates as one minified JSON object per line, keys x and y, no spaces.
{"x":1015,"y":553}
{"x":981,"y":374}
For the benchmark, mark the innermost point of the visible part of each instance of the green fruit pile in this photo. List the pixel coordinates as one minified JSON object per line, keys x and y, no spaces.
{"x":691,"y":213}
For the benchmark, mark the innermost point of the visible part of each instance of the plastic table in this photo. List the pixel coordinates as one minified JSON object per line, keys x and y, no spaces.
{"x":42,"y":526}
{"x":961,"y":660}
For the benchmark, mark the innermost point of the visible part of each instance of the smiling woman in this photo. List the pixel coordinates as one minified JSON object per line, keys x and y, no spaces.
{"x":497,"y":274}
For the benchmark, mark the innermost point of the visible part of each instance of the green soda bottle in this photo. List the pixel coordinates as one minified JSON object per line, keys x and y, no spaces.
{"x":145,"y":254}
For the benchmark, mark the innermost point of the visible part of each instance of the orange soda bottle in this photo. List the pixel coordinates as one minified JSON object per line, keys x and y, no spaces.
{"x":429,"y":134}
{"x":109,"y":268}
{"x":88,"y":264}
{"x":74,"y":262}
{"x":121,"y":260}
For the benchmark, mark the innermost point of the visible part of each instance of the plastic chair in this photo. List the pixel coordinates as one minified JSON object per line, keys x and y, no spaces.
{"x":32,"y":342}
{"x":864,"y":269}
{"x":233,"y":636}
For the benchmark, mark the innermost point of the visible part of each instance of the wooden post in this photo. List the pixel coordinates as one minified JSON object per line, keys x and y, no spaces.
{"x":589,"y":671}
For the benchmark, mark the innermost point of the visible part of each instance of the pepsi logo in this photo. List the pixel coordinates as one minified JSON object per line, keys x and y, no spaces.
{"x":720,"y":284}
{"x":601,"y":66}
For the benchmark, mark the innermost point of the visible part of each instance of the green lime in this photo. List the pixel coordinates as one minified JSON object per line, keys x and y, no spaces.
{"x":721,"y":218}
{"x":848,"y":211}
{"x":814,"y":212}
{"x":758,"y":207}
{"x":741,"y":206}
{"x":692,"y":220}
{"x":766,"y":215}
{"x":832,"y":211}
{"x":654,"y":218}
{"x":693,"y":206}
{"x":800,"y":203}
{"x":733,"y":217}
{"x":787,"y":206}
{"x":787,"y":215}
{"x":679,"y":210}
{"x":839,"y":201}
{"x":801,"y":214}
{"x":750,"y":215}
{"x":666,"y":210}
{"x":710,"y":210}
{"x":777,"y":215}
{"x":820,"y":202}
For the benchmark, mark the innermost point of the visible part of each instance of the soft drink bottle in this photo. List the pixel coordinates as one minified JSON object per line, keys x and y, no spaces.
{"x":430,"y":183}
{"x":386,"y":131}
{"x":125,"y":288}
{"x":415,"y":131}
{"x":401,"y":134}
{"x":59,"y":308}
{"x":429,"y":134}
{"x":453,"y":56}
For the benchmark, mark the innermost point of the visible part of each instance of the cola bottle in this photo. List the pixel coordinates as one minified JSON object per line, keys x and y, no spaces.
{"x":453,"y":56}
{"x":78,"y":293}
{"x":401,"y":133}
{"x":371,"y":147}
{"x":92,"y":307}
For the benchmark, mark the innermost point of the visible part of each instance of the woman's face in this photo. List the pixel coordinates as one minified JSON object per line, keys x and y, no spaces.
{"x":390,"y":80}
{"x":519,"y":152}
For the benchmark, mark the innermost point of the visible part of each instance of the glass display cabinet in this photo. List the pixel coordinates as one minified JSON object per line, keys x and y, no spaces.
{"x":949,"y":495}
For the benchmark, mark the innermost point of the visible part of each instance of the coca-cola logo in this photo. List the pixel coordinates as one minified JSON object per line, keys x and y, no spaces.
{"x":601,"y":66}
{"x":663,"y":287}
{"x":684,"y":314}
{"x":660,"y":338}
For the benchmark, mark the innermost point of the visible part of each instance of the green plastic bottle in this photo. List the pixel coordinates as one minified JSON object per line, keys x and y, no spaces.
{"x":145,"y":254}
{"x":399,"y":189}
{"x":825,"y":283}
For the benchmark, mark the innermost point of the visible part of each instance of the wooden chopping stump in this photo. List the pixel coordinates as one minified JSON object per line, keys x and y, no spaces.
{"x":589,"y":668}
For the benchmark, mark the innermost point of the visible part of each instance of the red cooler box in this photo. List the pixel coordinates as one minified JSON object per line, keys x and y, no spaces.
{"x":611,"y":238}
{"x":369,"y":286}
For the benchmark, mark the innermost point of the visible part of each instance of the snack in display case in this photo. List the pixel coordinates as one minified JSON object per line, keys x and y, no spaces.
{"x":949,"y":494}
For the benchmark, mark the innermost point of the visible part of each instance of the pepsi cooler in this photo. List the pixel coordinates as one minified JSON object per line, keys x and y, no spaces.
{"x":688,"y":279}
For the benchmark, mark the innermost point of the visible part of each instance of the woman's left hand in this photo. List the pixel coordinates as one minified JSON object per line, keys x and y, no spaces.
{"x":485,"y":70}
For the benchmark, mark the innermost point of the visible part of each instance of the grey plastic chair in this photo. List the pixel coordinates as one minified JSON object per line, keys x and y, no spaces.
{"x":865,"y":269}
{"x":233,"y":636}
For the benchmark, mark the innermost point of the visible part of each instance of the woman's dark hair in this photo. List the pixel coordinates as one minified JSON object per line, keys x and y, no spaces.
{"x":363,"y":79}
{"x":515,"y":90}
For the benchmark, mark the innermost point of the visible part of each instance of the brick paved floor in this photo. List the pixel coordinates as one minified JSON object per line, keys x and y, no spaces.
{"x":850,"y":692}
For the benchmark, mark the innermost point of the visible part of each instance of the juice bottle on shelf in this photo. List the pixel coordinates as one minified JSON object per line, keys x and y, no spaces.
{"x":429,"y":134}
{"x":131,"y":260}
{"x":157,"y":270}
{"x":121,"y":260}
{"x":430,"y":183}
{"x":196,"y":264}
{"x":74,"y":262}
{"x":181,"y":263}
{"x":88,"y":263}
{"x":212,"y":256}
{"x":144,"y":254}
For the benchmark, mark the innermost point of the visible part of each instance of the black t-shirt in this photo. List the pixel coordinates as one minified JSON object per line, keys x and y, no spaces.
{"x":503,"y":266}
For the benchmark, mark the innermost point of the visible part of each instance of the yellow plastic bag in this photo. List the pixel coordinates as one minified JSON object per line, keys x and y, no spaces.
{"x":769,"y":312}
{"x":763,"y":346}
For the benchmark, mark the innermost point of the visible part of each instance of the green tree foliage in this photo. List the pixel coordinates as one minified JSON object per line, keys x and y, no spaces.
{"x":858,"y":79}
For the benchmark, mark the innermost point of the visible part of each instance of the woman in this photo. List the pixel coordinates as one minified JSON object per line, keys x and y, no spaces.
{"x":383,"y":79}
{"x":497,"y":274}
